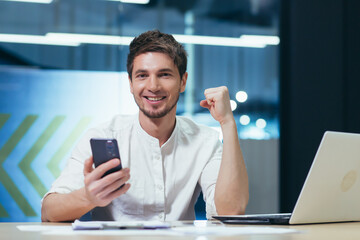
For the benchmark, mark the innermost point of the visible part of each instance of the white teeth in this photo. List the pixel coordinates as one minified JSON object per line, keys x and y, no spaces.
{"x":154,"y":99}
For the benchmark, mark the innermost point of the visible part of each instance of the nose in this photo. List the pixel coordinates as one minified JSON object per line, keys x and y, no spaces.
{"x":153,"y":83}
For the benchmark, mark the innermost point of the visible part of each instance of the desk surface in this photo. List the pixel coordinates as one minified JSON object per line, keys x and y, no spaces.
{"x":337,"y":231}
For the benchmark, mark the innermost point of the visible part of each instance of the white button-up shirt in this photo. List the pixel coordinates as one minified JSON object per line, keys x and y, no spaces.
{"x":165,"y":181}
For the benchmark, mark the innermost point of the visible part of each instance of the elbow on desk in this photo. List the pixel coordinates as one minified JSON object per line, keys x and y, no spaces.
{"x":46,"y":218}
{"x":43,"y":218}
{"x":232,"y":211}
{"x":232,"y":208}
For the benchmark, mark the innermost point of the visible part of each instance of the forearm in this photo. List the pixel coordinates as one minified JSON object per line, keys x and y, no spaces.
{"x":232,"y":187}
{"x":58,"y":207}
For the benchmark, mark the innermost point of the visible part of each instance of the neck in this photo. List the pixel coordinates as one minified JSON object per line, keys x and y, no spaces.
{"x":160,"y":128}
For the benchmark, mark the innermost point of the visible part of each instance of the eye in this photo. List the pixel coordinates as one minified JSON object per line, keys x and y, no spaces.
{"x":165,"y":74}
{"x":141,"y":76}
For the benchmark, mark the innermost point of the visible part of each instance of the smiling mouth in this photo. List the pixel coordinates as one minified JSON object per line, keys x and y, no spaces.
{"x":155,"y":98}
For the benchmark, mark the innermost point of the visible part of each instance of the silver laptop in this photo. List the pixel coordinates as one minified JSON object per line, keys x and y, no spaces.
{"x":331,"y":192}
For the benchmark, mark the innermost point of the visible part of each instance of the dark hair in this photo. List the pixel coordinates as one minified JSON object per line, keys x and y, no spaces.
{"x":156,"y":41}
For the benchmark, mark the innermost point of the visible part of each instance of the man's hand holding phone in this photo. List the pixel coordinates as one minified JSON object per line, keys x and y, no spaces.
{"x":100,"y":191}
{"x":108,"y":180}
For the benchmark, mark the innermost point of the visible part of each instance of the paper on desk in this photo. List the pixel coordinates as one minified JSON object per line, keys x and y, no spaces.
{"x":182,"y":231}
{"x":175,"y":231}
{"x":68,"y":230}
{"x":114,"y":225}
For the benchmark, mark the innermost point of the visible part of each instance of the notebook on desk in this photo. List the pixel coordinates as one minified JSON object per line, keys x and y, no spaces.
{"x":331,"y":192}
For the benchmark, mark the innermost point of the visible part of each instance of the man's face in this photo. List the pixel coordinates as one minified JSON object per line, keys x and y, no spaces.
{"x":156,"y":84}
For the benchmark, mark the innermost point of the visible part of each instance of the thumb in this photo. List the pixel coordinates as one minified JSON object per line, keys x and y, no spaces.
{"x":88,"y":168}
{"x":204,"y":104}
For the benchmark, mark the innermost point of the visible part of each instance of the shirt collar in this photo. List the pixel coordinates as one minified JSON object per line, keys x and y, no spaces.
{"x":152,"y":139}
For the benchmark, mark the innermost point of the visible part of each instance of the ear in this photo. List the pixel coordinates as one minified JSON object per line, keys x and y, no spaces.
{"x":130,"y":84}
{"x":183,"y":82}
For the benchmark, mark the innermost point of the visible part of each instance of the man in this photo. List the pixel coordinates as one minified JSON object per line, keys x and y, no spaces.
{"x":171,"y":159}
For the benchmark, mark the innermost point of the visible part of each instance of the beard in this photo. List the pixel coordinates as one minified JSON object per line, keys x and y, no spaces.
{"x":158,"y":114}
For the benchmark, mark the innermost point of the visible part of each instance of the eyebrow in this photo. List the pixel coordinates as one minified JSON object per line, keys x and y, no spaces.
{"x":161,"y":70}
{"x":140,"y":71}
{"x":166,"y":70}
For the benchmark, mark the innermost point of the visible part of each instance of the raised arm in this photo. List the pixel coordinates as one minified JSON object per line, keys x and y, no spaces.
{"x":232,"y":187}
{"x":97,"y":192}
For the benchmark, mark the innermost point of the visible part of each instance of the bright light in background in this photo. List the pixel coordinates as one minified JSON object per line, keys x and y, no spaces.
{"x":244,"y":120}
{"x":132,"y":1}
{"x":261,"y":39}
{"x":254,"y":133}
{"x":261,"y":123}
{"x":233,"y":105}
{"x":241,"y":96}
{"x":216,"y":41}
{"x":73,"y":39}
{"x":125,"y":40}
{"x":90,"y":38}
{"x":36,"y":39}
{"x":31,"y":1}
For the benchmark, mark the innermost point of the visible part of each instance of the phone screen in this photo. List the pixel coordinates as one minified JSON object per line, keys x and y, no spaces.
{"x":104,"y":150}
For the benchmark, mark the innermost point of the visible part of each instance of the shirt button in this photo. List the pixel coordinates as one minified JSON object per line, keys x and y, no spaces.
{"x":160,"y":187}
{"x":161,"y":215}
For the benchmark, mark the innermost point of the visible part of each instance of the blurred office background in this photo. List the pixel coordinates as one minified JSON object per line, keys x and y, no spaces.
{"x":290,"y":66}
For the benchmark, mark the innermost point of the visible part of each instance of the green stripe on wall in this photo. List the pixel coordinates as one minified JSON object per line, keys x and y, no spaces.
{"x":3,"y":212}
{"x":3,"y":119}
{"x":4,"y":177}
{"x":25,"y":164}
{"x":53,"y":164}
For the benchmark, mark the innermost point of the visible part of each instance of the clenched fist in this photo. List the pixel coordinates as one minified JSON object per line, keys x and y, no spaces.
{"x":217,"y":100}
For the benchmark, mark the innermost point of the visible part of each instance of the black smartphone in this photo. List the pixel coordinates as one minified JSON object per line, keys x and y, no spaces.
{"x":103,"y":150}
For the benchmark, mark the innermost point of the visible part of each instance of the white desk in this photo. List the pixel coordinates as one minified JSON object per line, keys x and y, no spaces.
{"x":338,"y":231}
